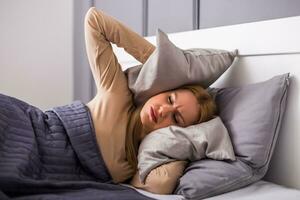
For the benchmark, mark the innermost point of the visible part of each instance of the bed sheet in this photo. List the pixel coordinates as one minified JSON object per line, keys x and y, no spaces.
{"x":157,"y":196}
{"x":261,"y":190}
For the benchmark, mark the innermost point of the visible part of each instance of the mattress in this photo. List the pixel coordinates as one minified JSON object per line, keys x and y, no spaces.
{"x":261,"y":190}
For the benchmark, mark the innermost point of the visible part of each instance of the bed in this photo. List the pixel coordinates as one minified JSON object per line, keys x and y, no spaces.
{"x":266,"y":48}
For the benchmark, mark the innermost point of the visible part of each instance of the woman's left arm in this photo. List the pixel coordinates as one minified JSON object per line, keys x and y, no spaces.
{"x":101,"y":30}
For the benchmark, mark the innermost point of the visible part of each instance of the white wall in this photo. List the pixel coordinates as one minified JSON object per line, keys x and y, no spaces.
{"x":36,"y":51}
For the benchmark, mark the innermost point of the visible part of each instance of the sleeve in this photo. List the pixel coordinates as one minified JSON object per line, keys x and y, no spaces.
{"x":163,"y":179}
{"x":100,"y":30}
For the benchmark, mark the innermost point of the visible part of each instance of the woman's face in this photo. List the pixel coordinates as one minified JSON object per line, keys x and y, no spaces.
{"x":177,"y":107}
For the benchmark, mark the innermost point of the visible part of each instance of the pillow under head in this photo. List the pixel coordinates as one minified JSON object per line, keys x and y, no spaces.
{"x":205,"y":140}
{"x":253,"y":115}
{"x":170,"y":67}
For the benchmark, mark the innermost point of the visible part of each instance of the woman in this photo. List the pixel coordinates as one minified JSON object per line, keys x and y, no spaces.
{"x":72,"y":142}
{"x":119,"y":125}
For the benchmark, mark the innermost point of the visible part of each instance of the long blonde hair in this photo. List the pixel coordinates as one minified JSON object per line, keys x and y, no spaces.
{"x":208,"y":107}
{"x":132,"y":141}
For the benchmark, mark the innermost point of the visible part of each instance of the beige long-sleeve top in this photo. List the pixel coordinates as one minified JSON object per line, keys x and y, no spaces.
{"x":112,"y":107}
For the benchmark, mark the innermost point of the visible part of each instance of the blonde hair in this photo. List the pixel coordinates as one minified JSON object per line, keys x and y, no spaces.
{"x":208,"y":107}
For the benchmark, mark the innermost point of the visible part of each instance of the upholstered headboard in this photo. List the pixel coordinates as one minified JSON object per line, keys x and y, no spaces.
{"x":266,"y":49}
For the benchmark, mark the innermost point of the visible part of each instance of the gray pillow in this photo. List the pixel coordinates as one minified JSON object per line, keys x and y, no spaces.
{"x":170,"y":67}
{"x":253,"y":115}
{"x":209,"y":139}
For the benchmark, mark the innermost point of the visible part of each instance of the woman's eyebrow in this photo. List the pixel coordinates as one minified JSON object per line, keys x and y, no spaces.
{"x":180,"y":115}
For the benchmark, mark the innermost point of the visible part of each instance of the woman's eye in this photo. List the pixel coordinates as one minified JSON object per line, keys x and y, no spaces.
{"x":170,"y":100}
{"x":174,"y":119}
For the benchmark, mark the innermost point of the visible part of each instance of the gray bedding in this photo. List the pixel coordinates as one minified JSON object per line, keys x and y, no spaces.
{"x":205,"y":140}
{"x":261,"y":190}
{"x":53,"y":155}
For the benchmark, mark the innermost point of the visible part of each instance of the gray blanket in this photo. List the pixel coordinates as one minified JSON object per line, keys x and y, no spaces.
{"x":53,"y":155}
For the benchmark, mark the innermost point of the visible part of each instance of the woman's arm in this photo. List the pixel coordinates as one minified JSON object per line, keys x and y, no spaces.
{"x":163,"y":179}
{"x":100,"y":30}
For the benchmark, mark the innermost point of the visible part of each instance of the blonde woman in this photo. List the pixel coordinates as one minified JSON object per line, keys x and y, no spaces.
{"x":119,"y":125}
{"x":97,"y":141}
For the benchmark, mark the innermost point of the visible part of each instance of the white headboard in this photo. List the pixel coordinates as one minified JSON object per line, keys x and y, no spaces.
{"x":267,"y":48}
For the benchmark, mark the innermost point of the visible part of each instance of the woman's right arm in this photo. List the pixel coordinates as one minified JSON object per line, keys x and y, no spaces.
{"x":100,"y":30}
{"x":163,"y":179}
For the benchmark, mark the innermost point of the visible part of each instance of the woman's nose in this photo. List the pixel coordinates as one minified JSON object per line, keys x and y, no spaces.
{"x":165,"y":110}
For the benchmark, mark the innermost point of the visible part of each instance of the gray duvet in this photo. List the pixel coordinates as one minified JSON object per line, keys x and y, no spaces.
{"x":53,"y":155}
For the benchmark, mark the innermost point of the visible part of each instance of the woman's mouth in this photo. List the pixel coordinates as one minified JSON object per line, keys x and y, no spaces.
{"x":152,"y":114}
